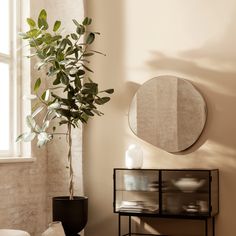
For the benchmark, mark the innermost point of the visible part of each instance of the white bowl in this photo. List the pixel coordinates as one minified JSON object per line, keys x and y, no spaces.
{"x":188,"y":185}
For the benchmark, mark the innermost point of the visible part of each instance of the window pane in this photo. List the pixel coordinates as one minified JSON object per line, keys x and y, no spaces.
{"x":4,"y":105}
{"x":4,"y":26}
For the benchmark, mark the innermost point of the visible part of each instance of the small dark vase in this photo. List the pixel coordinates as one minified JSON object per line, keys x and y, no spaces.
{"x":72,"y":213}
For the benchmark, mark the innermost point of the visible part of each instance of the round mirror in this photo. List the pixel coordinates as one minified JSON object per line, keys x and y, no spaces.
{"x":168,"y":112}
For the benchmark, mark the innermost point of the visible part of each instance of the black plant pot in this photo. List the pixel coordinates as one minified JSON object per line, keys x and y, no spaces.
{"x":72,"y":213}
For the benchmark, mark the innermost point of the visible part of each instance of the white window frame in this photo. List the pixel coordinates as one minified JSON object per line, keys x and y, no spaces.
{"x":19,"y":81}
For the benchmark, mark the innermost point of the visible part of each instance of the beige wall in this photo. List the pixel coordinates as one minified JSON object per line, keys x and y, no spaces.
{"x":142,"y":39}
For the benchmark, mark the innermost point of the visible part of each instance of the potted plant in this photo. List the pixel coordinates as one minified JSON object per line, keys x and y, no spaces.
{"x":70,"y":98}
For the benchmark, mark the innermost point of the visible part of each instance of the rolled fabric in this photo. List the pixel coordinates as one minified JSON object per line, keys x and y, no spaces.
{"x":13,"y":232}
{"x":55,"y":229}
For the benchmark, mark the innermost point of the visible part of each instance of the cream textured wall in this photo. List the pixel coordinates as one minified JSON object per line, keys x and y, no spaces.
{"x":194,"y":39}
{"x":23,"y":195}
{"x":23,"y":189}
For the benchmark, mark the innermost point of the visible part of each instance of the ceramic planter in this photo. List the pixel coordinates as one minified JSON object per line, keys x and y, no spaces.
{"x":72,"y":213}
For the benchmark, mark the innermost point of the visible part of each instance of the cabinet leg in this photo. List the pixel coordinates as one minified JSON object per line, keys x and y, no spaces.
{"x":213,"y":226}
{"x":206,"y":227}
{"x":119,"y":225}
{"x":129,"y":225}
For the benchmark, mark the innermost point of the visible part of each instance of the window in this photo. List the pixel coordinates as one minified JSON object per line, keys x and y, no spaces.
{"x":10,"y":76}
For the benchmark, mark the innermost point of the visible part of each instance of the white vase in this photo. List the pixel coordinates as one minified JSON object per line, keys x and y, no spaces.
{"x":134,"y":157}
{"x":54,"y":229}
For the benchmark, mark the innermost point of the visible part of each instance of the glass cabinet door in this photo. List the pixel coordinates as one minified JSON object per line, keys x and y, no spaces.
{"x":185,"y":192}
{"x":136,"y":191}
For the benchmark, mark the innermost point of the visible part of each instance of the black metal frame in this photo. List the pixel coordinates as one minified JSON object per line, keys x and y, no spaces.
{"x":130,"y":233}
{"x":206,"y":217}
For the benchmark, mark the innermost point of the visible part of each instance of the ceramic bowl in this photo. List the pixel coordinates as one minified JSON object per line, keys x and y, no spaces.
{"x":188,"y":184}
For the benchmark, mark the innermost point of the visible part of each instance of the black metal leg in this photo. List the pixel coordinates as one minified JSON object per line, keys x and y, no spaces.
{"x":119,"y":226}
{"x":206,"y":227}
{"x":129,"y":225}
{"x":213,"y":226}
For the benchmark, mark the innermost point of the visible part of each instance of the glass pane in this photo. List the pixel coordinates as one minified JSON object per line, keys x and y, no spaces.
{"x":4,"y":104}
{"x":136,"y":191}
{"x":185,"y":192}
{"x":4,"y":26}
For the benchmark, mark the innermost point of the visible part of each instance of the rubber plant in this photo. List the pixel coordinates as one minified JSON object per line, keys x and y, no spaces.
{"x":70,"y":97}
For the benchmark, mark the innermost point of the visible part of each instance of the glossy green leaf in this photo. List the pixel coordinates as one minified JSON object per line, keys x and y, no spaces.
{"x":37,"y":111}
{"x":76,"y":22}
{"x":90,"y":38}
{"x":80,"y":30}
{"x":101,"y":101}
{"x":31,"y":22}
{"x":45,"y":96}
{"x":37,"y":84}
{"x":88,"y":69}
{"x":20,"y":137}
{"x":43,"y":14}
{"x":73,"y":71}
{"x":56,"y":26}
{"x":110,"y":91}
{"x":74,"y":36}
{"x":87,"y":21}
{"x":89,"y":54}
{"x":31,"y":123}
{"x":57,"y":80}
{"x":28,"y":137}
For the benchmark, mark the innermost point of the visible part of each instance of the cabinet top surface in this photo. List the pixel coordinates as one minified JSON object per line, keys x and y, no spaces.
{"x":184,"y":169}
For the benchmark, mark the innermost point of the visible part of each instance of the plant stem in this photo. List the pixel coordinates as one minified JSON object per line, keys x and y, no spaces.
{"x":71,"y":182}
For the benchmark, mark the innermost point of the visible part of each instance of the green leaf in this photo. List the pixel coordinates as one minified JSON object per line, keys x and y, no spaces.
{"x":80,"y":30}
{"x":42,"y":24}
{"x":31,"y":22}
{"x":88,"y":112}
{"x":20,"y":137}
{"x":45,"y":95}
{"x":110,"y":91}
{"x":37,"y":111}
{"x":87,"y":21}
{"x":74,"y":36}
{"x":39,"y":65}
{"x":42,"y":20}
{"x":37,"y":84}
{"x":65,"y":79}
{"x":57,"y":80}
{"x":99,"y":113}
{"x":89,"y":54}
{"x":28,"y":137}
{"x":88,"y":69}
{"x":90,"y":38}
{"x":101,"y":101}
{"x":30,"y":122}
{"x":43,"y":14}
{"x":76,"y":22}
{"x":77,"y":82}
{"x":98,"y":52}
{"x":80,"y":72}
{"x":56,"y":26}
{"x":23,"y":35}
{"x":33,"y":33}
{"x":73,"y":71}
{"x":45,"y":125}
{"x":63,"y":44}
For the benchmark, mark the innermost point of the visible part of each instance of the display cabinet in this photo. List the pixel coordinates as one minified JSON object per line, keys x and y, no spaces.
{"x":167,"y":193}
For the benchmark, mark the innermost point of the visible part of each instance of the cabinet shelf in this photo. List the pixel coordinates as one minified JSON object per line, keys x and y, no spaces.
{"x":181,"y":192}
{"x":145,"y":191}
